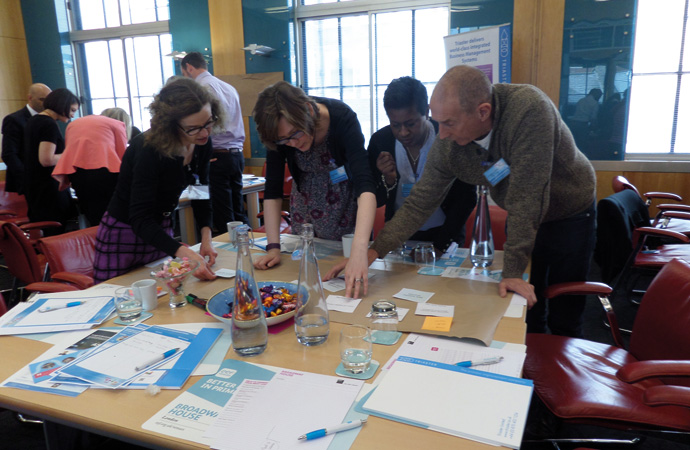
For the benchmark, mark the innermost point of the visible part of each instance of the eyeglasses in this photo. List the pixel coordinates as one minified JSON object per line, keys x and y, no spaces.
{"x":295,"y":135}
{"x":196,"y":130}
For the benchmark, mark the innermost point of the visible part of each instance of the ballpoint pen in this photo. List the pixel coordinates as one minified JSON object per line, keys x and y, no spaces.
{"x":56,"y":307}
{"x":481,"y":362}
{"x":156,"y":359}
{"x":334,"y":429}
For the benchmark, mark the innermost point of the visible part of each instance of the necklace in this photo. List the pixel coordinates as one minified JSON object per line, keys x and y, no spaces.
{"x":409,"y":155}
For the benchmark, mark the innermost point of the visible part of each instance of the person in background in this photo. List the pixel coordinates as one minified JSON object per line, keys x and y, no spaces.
{"x":398,"y":153}
{"x":94,"y":146}
{"x":512,"y":138}
{"x":43,"y":147}
{"x":158,"y":165}
{"x":13,"y":137}
{"x":227,"y":164}
{"x":586,"y":111}
{"x":333,"y":188}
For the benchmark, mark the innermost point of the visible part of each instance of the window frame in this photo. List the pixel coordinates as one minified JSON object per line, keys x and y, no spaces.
{"x":80,"y":37}
{"x":351,"y":8}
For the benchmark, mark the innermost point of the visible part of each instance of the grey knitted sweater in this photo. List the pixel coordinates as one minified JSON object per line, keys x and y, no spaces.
{"x":550,"y":179}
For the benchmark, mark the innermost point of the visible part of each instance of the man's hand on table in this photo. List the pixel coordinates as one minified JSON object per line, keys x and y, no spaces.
{"x":520,"y":287}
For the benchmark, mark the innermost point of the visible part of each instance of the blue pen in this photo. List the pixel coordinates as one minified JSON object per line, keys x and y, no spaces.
{"x":334,"y":429}
{"x":480,"y":362}
{"x":56,"y":307}
{"x":156,"y":359}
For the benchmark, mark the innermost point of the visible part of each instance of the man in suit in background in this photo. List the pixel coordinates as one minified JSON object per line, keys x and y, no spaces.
{"x":13,"y":137}
{"x":227,"y":165}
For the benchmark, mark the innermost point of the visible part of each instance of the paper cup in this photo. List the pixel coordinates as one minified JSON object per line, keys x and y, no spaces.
{"x":145,"y":291}
{"x":347,"y":244}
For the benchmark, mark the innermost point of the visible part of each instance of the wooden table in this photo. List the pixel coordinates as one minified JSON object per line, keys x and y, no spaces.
{"x":121,"y":413}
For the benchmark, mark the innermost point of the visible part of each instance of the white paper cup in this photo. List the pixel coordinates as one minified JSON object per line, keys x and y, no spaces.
{"x":347,"y":244}
{"x":145,"y":291}
{"x":231,"y":231}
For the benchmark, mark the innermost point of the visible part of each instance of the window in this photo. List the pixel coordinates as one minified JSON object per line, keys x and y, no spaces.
{"x":353,"y":52}
{"x":121,"y":47}
{"x":660,"y":89}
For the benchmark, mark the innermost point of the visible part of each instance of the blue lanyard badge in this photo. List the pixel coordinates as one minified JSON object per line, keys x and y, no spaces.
{"x":338,"y":175}
{"x":497,"y":172}
{"x":406,"y":188}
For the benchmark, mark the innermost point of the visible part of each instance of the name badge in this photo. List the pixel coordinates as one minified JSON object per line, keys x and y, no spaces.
{"x":338,"y":175}
{"x":406,"y":188}
{"x":497,"y":172}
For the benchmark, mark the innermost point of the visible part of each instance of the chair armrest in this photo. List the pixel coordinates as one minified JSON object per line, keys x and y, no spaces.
{"x":676,"y":215}
{"x":664,"y":195}
{"x":636,"y":371}
{"x":50,"y":287}
{"x":667,"y":395}
{"x":577,"y":288}
{"x":673,"y":207}
{"x":77,"y":279}
{"x":660,"y":232}
{"x":39,"y":225}
{"x":7,"y":212}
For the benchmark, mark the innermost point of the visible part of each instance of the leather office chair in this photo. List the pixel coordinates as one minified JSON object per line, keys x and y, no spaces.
{"x":498,"y":217}
{"x":72,"y":252}
{"x":623,"y":244}
{"x":13,"y":206}
{"x":646,"y":387}
{"x":28,"y":267}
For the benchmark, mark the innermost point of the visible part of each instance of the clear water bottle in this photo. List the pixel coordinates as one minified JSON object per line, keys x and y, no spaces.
{"x":384,"y":322}
{"x":482,"y":247}
{"x":311,"y":319}
{"x":249,"y":329}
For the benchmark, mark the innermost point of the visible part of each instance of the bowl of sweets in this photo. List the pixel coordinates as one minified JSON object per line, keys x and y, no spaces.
{"x":279,"y":300}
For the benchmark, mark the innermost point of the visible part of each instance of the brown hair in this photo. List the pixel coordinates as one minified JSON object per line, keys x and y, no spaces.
{"x":468,"y":84}
{"x":177,"y":100}
{"x":284,"y":100}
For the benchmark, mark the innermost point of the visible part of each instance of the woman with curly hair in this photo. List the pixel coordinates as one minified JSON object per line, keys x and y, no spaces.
{"x":157,"y":166}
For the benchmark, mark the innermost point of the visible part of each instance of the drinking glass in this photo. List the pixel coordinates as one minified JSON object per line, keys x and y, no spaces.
{"x":355,"y":348}
{"x":425,"y":255}
{"x":128,"y":307}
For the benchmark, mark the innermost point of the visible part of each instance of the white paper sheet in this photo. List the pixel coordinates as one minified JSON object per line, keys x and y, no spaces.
{"x":414,"y":295}
{"x":342,"y":304}
{"x":430,"y":309}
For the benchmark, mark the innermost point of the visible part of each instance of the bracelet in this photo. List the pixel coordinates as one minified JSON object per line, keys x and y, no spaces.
{"x":272,"y":246}
{"x":388,"y":189}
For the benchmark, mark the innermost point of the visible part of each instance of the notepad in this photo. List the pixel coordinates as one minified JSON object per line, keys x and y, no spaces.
{"x":481,"y":406}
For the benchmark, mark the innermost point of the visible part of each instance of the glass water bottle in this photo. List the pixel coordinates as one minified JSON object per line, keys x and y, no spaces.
{"x":482,"y":247}
{"x":249,"y":329}
{"x":311,"y":319}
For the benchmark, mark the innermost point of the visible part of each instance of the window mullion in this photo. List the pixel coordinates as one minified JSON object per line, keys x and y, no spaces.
{"x":676,"y":106}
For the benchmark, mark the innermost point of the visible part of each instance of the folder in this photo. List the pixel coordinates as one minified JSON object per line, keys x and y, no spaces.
{"x":482,"y":406}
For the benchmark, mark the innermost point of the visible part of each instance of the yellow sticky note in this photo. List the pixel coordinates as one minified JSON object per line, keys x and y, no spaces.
{"x":437,"y":323}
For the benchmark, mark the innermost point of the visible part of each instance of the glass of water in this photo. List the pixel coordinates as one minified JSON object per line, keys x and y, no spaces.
{"x":128,"y":307}
{"x":355,"y":348}
{"x":425,"y":255}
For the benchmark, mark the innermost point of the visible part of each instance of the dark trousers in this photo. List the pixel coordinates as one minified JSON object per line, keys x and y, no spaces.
{"x":94,"y":189}
{"x":225,"y":188}
{"x":562,"y":252}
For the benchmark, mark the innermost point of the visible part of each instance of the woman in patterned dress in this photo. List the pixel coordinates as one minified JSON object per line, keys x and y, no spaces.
{"x":333,"y":189}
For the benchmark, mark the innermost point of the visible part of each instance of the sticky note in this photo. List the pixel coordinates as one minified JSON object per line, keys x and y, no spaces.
{"x":437,"y":323}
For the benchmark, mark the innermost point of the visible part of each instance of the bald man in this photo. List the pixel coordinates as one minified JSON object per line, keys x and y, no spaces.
{"x":13,"y":137}
{"x":511,"y":138}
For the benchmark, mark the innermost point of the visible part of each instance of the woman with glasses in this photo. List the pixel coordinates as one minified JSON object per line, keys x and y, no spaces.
{"x":157,"y":166}
{"x":333,"y":188}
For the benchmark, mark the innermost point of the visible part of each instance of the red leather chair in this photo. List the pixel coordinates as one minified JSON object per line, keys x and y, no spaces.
{"x":13,"y":206}
{"x":287,"y":182}
{"x":72,"y":252}
{"x":28,"y":267}
{"x":646,"y":386}
{"x":498,"y":217}
{"x":379,"y":220}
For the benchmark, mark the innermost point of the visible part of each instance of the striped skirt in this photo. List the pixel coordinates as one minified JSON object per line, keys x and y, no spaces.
{"x":119,"y":250}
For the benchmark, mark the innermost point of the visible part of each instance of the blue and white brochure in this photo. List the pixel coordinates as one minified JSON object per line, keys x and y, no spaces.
{"x":115,"y":365}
